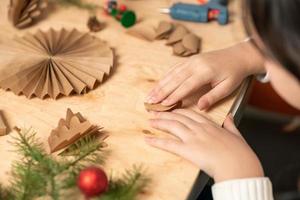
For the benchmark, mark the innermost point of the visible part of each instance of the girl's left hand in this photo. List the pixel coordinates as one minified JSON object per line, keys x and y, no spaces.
{"x":221,"y":152}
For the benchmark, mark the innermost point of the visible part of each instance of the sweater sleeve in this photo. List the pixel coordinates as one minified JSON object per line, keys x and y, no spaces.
{"x":243,"y":189}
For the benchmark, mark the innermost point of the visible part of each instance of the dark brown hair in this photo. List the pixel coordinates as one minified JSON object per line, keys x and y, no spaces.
{"x":277,"y":23}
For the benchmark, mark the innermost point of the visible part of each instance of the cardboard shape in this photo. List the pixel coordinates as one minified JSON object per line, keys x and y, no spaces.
{"x":54,"y":63}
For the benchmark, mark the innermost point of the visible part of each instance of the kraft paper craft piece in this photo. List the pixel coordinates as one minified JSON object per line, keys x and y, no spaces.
{"x":160,"y":108}
{"x":177,"y":35}
{"x":54,"y":63}
{"x":69,"y":130}
{"x":164,"y":30}
{"x":143,"y":31}
{"x":3,"y":128}
{"x":23,"y":13}
{"x":184,"y":43}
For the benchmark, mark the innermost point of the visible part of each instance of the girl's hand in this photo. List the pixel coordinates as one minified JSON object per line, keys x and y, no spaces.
{"x":223,"y":70}
{"x":220,"y":152}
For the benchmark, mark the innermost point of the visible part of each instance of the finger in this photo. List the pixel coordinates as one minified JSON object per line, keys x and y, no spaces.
{"x":189,"y":85}
{"x":166,"y":86}
{"x":165,"y":78}
{"x":230,"y":126}
{"x":173,"y":127}
{"x":169,"y":145}
{"x":193,"y":115}
{"x":215,"y":94}
{"x":185,"y":120}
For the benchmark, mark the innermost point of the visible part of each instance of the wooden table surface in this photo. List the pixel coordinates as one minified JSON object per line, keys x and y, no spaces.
{"x":118,"y":103}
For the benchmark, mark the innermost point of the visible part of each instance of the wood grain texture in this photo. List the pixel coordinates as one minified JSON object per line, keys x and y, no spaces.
{"x":118,"y":104}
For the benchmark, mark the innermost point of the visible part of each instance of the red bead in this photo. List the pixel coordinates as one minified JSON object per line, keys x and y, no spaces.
{"x":123,"y":8}
{"x":202,"y":2}
{"x":213,"y":14}
{"x":92,"y":181}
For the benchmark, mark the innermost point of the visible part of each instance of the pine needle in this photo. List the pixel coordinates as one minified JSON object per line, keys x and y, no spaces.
{"x":38,"y":174}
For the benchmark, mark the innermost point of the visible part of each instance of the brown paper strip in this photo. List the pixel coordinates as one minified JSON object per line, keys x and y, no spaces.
{"x":161,"y":108}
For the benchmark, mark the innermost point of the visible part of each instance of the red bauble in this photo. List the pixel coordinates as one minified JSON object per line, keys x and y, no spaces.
{"x":92,"y":181}
{"x":123,"y":8}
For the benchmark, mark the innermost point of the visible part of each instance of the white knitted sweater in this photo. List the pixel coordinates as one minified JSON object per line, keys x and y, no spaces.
{"x":243,"y":189}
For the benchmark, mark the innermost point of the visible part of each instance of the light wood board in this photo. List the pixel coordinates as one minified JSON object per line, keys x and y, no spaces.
{"x":118,"y":104}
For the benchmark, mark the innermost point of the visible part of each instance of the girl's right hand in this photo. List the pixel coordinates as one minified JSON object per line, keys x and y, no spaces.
{"x":223,"y":70}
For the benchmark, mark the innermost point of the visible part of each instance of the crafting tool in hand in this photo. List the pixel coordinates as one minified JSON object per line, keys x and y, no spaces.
{"x":212,"y":10}
{"x":126,"y":17}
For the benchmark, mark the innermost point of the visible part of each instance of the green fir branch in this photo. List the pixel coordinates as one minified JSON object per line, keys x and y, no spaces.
{"x":6,"y":194}
{"x":126,"y":187}
{"x":38,"y":174}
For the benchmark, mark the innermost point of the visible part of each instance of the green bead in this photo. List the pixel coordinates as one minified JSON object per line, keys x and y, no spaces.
{"x":128,"y":19}
{"x":114,"y":12}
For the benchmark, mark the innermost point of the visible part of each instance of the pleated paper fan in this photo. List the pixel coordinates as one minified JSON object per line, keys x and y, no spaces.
{"x":54,"y":63}
{"x":23,"y":13}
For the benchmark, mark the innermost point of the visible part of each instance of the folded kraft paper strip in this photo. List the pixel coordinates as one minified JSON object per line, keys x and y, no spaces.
{"x":161,"y":108}
{"x":54,"y":63}
{"x":23,"y":13}
{"x":70,"y":130}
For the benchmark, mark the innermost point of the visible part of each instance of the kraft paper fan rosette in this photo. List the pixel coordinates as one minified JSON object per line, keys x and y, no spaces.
{"x":23,"y":13}
{"x":54,"y":63}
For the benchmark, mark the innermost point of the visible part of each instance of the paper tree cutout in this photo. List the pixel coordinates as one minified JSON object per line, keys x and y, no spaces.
{"x":23,"y":13}
{"x":69,"y":130}
{"x":54,"y":63}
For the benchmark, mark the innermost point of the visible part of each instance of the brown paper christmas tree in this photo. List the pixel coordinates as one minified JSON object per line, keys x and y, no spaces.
{"x":54,"y":63}
{"x":69,"y":130}
{"x":23,"y":13}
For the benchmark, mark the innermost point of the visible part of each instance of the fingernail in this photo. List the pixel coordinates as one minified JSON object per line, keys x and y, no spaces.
{"x":165,"y":102}
{"x":202,"y":105}
{"x":148,"y":139}
{"x":147,"y":99}
{"x":152,"y":100}
{"x":152,"y":122}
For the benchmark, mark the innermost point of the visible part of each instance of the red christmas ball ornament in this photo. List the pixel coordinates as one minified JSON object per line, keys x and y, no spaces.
{"x":92,"y":182}
{"x":123,"y":8}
